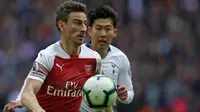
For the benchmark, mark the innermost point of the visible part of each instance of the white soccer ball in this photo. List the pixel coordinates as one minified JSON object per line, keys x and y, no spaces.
{"x":99,"y":92}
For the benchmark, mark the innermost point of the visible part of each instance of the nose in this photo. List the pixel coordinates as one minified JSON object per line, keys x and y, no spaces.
{"x":83,"y":28}
{"x":103,"y":33}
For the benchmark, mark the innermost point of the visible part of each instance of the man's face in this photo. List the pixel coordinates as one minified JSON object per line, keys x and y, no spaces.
{"x":75,"y":28}
{"x":102,"y":33}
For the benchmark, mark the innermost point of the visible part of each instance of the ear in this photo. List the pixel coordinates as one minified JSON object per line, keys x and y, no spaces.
{"x":89,"y":31}
{"x":115,"y":32}
{"x":61,"y":25}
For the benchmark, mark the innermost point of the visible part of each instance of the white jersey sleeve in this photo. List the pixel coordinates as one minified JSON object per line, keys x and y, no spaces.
{"x":42,"y":65}
{"x":40,"y":69}
{"x":125,"y":79}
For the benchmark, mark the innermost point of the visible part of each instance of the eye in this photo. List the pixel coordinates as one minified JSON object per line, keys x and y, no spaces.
{"x":98,"y":28}
{"x":85,"y":23}
{"x":77,"y":22}
{"x":108,"y":29}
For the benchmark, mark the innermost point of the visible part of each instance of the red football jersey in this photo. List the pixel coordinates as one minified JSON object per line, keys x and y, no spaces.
{"x":63,"y":77}
{"x":61,"y":91}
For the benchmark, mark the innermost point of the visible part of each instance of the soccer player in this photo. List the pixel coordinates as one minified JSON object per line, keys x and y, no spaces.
{"x":115,"y":64}
{"x":56,"y":79}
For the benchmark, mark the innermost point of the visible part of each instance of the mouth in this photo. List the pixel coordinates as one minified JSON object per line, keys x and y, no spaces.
{"x":102,"y":41}
{"x":81,"y":35}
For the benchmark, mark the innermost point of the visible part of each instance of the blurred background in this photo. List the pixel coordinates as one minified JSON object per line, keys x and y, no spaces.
{"x":160,"y":37}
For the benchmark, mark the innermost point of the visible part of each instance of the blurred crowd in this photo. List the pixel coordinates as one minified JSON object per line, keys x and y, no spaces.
{"x":160,"y":37}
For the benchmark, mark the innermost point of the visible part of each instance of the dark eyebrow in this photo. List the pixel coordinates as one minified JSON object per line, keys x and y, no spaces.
{"x":79,"y":20}
{"x":104,"y":26}
{"x":108,"y":26}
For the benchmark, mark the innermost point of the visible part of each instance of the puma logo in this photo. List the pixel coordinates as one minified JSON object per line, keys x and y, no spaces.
{"x":59,"y":66}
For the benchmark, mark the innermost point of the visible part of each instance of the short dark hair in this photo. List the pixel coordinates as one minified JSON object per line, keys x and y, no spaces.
{"x":66,"y":8}
{"x":102,"y":12}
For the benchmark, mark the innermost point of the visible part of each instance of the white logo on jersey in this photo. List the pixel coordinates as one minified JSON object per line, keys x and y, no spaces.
{"x":88,"y":68}
{"x":113,"y":66}
{"x":59,"y":66}
{"x":70,"y":90}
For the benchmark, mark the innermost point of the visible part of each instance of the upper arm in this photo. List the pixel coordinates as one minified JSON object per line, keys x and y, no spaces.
{"x":41,"y":67}
{"x":32,"y":85}
{"x":37,"y":75}
{"x":125,"y":74}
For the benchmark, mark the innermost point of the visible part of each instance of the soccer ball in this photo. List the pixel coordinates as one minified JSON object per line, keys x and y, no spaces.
{"x":99,"y":92}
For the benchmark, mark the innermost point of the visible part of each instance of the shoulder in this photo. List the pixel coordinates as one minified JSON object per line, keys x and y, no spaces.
{"x":120,"y":59}
{"x":46,"y":56}
{"x":89,"y":53}
{"x":54,"y":50}
{"x":118,"y":55}
{"x":50,"y":50}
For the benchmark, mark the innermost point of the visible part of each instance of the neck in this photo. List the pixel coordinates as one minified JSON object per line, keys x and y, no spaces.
{"x":70,"y":47}
{"x":102,"y":52}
